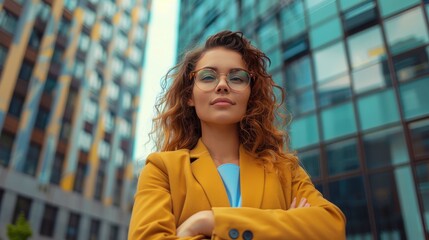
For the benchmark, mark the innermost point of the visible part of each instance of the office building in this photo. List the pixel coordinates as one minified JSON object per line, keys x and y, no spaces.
{"x":356,"y":73}
{"x":70,"y":74}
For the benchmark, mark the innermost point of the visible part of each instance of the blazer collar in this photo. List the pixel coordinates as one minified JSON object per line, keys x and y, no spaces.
{"x":251,"y":178}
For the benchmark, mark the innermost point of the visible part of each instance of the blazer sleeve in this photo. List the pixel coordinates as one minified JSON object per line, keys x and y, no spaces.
{"x":323,"y":220}
{"x":152,"y":216}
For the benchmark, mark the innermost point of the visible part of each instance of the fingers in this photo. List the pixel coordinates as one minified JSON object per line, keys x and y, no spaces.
{"x":302,"y":203}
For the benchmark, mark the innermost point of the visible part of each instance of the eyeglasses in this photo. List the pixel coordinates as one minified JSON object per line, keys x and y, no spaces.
{"x":207,"y":79}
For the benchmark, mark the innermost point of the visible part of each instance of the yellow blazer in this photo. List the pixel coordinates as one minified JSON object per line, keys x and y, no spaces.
{"x":175,"y":185}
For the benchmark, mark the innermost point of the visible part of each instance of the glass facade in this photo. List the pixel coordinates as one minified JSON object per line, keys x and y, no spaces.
{"x":356,"y":73}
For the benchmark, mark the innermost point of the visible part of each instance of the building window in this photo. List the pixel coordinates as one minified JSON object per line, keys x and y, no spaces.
{"x":336,"y":65}
{"x":89,"y":18}
{"x":78,"y":69}
{"x":85,"y":140}
{"x":3,"y":55}
{"x":65,"y":130}
{"x":42,"y":118}
{"x":304,"y":131}
{"x":117,"y":192}
{"x":338,"y":121}
{"x":79,"y":177}
{"x":319,"y":35}
{"x":99,"y":182}
{"x":412,"y":64}
{"x":84,"y":42}
{"x":109,"y":121}
{"x":48,"y":221}
{"x":385,"y":148}
{"x":342,"y":157}
{"x":113,"y":91}
{"x":50,"y":84}
{"x":406,"y":31}
{"x":268,"y":35}
{"x":126,"y":100}
{"x":22,"y":205}
{"x":8,"y":21}
{"x":94,"y":229}
{"x":16,"y":105}
{"x":320,"y":10}
{"x":64,"y":27}
{"x":114,"y":232}
{"x":420,"y":138}
{"x":414,"y":98}
{"x":422,"y":171}
{"x":334,"y":91}
{"x":378,"y":110}
{"x":293,"y":20}
{"x":356,"y":211}
{"x":57,"y":169}
{"x":311,"y":162}
{"x":35,"y":38}
{"x":389,"y":7}
{"x":26,"y":71}
{"x":91,"y":111}
{"x":32,"y":159}
{"x":73,"y":227}
{"x":6,"y":143}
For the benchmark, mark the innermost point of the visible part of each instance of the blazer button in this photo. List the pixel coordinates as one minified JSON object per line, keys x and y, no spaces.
{"x":233,"y":233}
{"x":247,"y":235}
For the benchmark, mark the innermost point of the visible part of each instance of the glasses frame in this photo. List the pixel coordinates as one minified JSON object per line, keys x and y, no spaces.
{"x":194,"y":73}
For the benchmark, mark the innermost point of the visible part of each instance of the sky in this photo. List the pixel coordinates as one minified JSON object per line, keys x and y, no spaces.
{"x":160,"y":56}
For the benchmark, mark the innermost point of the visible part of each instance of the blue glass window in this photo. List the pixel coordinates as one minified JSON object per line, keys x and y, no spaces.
{"x":371,"y":77}
{"x":366,"y":47}
{"x":293,"y":20}
{"x":415,"y":98}
{"x":378,"y":109}
{"x":349,"y":195}
{"x":423,"y":189}
{"x":299,"y":74}
{"x":325,"y":33}
{"x":304,"y":131}
{"x":389,"y":7}
{"x":420,"y":138}
{"x":338,"y":121}
{"x":334,"y":91}
{"x":330,"y":61}
{"x":342,"y":157}
{"x":406,"y":31}
{"x":319,"y":10}
{"x":385,"y":148}
{"x":311,"y":162}
{"x":413,"y":64}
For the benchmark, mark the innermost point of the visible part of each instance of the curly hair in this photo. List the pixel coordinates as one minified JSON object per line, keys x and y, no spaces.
{"x":177,"y":126}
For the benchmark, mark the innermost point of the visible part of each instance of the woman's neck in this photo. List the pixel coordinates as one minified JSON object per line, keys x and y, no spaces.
{"x":222,"y":142}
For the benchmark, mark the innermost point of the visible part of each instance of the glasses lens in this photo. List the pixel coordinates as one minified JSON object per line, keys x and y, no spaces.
{"x":238,"y":80}
{"x":206,"y":79}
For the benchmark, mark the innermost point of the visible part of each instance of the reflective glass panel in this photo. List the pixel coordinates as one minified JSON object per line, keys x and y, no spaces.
{"x":342,"y":157}
{"x":293,"y":20}
{"x":366,"y":47}
{"x":388,"y":7}
{"x":378,"y":109}
{"x":304,"y":131}
{"x":325,"y":32}
{"x":319,"y":10}
{"x":371,"y":77}
{"x":412,"y":64}
{"x":415,"y":98}
{"x":406,"y":31}
{"x":330,"y":61}
{"x":349,"y":195}
{"x":298,"y":74}
{"x":423,"y":189}
{"x":385,"y":148}
{"x":346,"y":4}
{"x":311,"y":162}
{"x":268,"y":35}
{"x":301,"y":102}
{"x":338,"y":121}
{"x":276,"y":59}
{"x":334,"y":91}
{"x":420,"y":138}
{"x":395,"y":205}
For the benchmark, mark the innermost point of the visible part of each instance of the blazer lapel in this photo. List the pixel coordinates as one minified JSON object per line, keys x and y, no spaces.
{"x":252,"y":179}
{"x":205,"y":172}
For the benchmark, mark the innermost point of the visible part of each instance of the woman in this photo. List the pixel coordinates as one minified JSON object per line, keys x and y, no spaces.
{"x":222,"y":172}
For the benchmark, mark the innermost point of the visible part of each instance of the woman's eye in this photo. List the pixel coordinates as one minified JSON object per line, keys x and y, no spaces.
{"x":208,"y":77}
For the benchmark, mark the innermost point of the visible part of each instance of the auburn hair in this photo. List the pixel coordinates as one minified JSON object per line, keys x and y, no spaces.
{"x":177,"y":126}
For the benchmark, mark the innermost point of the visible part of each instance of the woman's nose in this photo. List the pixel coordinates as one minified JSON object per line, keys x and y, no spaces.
{"x":222,"y":86}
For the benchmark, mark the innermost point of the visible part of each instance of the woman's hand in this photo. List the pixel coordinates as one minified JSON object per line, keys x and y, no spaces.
{"x":302,"y":204}
{"x":201,"y":223}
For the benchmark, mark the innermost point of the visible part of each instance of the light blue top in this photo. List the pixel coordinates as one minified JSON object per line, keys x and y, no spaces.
{"x":230,"y":174}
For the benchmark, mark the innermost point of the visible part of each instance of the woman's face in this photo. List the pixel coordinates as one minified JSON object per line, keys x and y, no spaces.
{"x":221,"y":105}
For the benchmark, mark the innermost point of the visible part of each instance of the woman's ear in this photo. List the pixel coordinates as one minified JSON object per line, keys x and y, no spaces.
{"x":191,"y":102}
